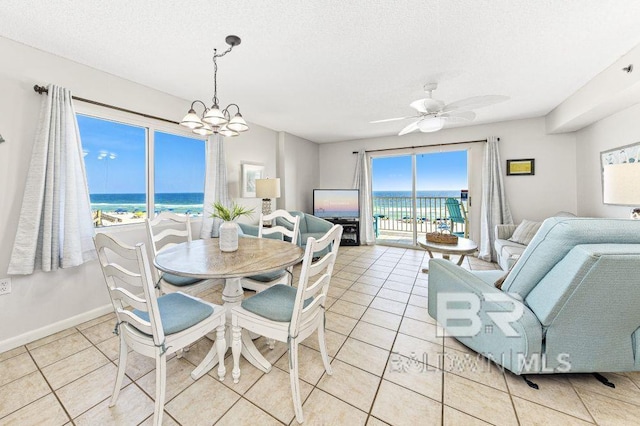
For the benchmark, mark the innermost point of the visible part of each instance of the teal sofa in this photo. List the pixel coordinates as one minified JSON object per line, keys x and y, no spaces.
{"x":571,"y":303}
{"x":310,"y":226}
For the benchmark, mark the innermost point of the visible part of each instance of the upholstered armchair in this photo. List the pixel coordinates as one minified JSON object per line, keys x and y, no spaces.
{"x":569,"y":304}
{"x":310,"y":226}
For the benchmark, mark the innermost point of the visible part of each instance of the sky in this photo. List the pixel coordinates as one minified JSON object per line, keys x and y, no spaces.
{"x":438,"y":171}
{"x":115,"y":159}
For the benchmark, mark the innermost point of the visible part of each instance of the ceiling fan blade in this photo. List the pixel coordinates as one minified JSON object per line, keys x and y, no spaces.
{"x":427,"y":105}
{"x":386,"y":120}
{"x":475,"y":102}
{"x":458,"y":116}
{"x":408,"y":129}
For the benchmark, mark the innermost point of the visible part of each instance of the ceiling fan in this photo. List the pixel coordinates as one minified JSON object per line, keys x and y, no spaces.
{"x":433,"y":114}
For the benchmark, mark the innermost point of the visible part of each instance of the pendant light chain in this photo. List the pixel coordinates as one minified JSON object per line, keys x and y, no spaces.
{"x":215,"y":72}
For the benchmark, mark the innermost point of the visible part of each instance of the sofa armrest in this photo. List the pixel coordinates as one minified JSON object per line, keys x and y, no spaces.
{"x":504,"y":232}
{"x":523,"y":335}
{"x":316,"y":224}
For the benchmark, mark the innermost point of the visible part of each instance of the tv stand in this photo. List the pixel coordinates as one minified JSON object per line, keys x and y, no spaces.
{"x":351,"y":231}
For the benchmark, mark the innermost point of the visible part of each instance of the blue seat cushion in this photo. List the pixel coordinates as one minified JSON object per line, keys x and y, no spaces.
{"x":269,"y":276}
{"x":274,"y":303}
{"x":178,"y":280}
{"x":178,"y":312}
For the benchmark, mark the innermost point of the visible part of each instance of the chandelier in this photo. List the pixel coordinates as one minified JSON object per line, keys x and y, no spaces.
{"x":213,"y":119}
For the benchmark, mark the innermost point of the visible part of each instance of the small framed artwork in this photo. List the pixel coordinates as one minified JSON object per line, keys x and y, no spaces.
{"x":522,"y":167}
{"x":250,"y":172}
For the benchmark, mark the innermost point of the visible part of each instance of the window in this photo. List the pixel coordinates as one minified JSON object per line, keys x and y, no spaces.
{"x":179,"y":174}
{"x":120,"y":178}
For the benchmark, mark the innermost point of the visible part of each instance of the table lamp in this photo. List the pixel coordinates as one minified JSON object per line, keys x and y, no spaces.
{"x":621,"y":185}
{"x":267,"y":189}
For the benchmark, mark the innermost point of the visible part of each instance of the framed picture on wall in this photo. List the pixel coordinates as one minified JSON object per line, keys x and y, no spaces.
{"x":250,"y":172}
{"x":522,"y":167}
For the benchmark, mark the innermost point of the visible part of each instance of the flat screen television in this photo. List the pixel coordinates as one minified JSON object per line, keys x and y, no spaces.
{"x":336,"y":203}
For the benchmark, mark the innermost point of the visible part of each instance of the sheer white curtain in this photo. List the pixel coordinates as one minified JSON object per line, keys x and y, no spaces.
{"x":495,"y":208}
{"x":55,"y":228}
{"x":362,"y":181}
{"x":215,"y":185}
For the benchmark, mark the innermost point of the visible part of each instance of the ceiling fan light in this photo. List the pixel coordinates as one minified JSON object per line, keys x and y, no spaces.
{"x":191,"y":120}
{"x":238,"y":124}
{"x":205,"y":130}
{"x":227,"y":132}
{"x":215,"y":117}
{"x":432,"y":124}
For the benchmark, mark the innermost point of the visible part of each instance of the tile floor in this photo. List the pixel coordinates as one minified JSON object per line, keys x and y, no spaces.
{"x":376,"y":320}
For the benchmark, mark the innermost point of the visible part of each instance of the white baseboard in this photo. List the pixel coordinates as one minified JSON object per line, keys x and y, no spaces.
{"x":33,"y":335}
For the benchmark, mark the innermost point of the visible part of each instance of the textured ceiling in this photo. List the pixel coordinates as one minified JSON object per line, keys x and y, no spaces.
{"x":323,"y":69}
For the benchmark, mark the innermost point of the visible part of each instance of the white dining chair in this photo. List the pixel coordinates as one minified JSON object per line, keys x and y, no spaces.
{"x":278,"y":229}
{"x":165,"y":230}
{"x":288,"y":314}
{"x":156,"y":326}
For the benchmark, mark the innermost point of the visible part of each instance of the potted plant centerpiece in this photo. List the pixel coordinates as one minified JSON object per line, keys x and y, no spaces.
{"x":228,"y":228}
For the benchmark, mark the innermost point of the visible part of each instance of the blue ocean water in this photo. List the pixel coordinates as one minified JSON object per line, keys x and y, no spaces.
{"x":190,"y":202}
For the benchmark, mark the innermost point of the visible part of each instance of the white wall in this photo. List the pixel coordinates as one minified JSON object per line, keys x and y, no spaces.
{"x":299,"y":172}
{"x":622,"y":128}
{"x":47,"y":302}
{"x":551,"y":189}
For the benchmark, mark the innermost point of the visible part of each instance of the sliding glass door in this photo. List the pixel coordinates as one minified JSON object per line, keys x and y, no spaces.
{"x":410,"y":193}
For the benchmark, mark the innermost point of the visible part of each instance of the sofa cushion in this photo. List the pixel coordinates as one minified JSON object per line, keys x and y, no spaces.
{"x":525,"y":232}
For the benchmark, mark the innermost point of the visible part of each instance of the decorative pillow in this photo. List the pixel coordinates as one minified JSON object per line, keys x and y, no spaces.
{"x":525,"y":232}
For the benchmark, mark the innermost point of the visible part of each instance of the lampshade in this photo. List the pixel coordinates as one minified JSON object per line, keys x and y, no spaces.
{"x":238,"y":124}
{"x":226,"y":131}
{"x":191,"y":120}
{"x":620,"y":184}
{"x":215,"y":117}
{"x":268,"y":188}
{"x":205,"y":130}
{"x":431,"y":124}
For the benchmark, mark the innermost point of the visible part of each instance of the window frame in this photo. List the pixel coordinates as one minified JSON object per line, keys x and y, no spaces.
{"x":151,"y":126}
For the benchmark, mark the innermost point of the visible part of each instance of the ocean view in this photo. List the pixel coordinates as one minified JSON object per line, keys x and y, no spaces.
{"x":190,"y":202}
{"x":392,"y":204}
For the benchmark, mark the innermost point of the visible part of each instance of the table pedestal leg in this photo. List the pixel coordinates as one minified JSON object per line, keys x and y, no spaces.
{"x":426,"y":270}
{"x":232,"y":295}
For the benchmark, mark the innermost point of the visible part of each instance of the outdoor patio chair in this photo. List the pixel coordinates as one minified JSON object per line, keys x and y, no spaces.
{"x":457,"y":215}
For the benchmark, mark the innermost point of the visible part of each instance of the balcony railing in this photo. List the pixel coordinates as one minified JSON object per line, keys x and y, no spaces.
{"x":396,"y":213}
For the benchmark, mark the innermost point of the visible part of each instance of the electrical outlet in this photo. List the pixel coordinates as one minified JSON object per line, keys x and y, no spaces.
{"x":5,"y":285}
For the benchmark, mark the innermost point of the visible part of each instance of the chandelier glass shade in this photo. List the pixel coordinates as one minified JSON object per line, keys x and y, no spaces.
{"x":213,"y":119}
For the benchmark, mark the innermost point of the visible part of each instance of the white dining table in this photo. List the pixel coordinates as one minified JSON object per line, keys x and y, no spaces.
{"x":204,"y":259}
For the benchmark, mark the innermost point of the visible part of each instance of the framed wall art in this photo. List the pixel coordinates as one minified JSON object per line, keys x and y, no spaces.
{"x":250,"y":172}
{"x":522,"y":167}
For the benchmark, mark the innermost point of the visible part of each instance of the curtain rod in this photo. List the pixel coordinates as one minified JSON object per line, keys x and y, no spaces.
{"x":422,"y":146}
{"x":42,"y":89}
